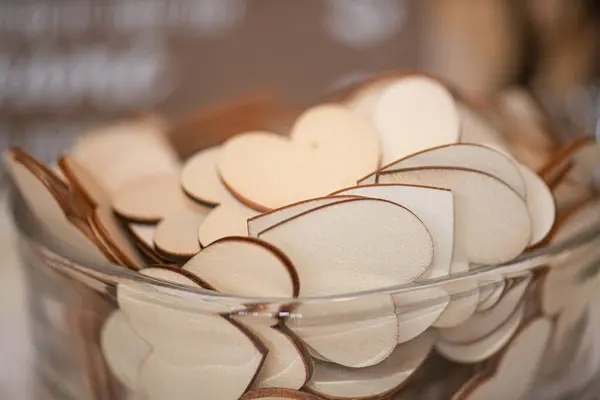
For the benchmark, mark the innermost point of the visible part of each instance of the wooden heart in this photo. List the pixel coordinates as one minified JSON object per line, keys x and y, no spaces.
{"x":126,"y":151}
{"x":461,"y":155}
{"x":527,"y":126}
{"x":84,"y":181}
{"x":288,"y":363}
{"x":352,"y":333}
{"x":52,"y":202}
{"x":541,"y":205}
{"x":418,"y":310}
{"x":200,"y":178}
{"x":492,"y":222}
{"x":434,"y":207}
{"x":335,"y":381}
{"x":200,"y":181}
{"x":110,"y":231}
{"x":151,"y":199}
{"x":229,"y":219}
{"x":162,"y":378}
{"x":464,"y":295}
{"x":478,"y":127}
{"x":142,"y":237}
{"x":245,"y":267}
{"x":484,"y":323}
{"x":213,"y":357}
{"x":124,"y":351}
{"x":490,"y":292}
{"x":354,"y":245}
{"x":404,"y":117}
{"x":329,"y":148}
{"x":400,"y":103}
{"x":176,"y":236}
{"x":262,"y":222}
{"x":482,"y":349}
{"x":517,"y":367}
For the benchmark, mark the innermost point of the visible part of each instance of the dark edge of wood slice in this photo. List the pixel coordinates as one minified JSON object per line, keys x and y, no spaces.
{"x":191,"y":276}
{"x":258,"y":344}
{"x":302,"y":350}
{"x":74,"y":182}
{"x":289,"y":394}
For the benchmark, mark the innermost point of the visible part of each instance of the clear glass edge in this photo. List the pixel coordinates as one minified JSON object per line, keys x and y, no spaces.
{"x":111,"y":274}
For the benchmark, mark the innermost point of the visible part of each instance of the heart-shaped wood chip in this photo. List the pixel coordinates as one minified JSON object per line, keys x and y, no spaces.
{"x":200,"y":178}
{"x":461,"y":155}
{"x":482,"y":349}
{"x":200,"y":181}
{"x":517,"y":367}
{"x":527,"y":126}
{"x":288,"y":364}
{"x":433,"y":206}
{"x":478,"y":127}
{"x":149,"y":309}
{"x":337,"y":382}
{"x":492,"y":222}
{"x":245,"y":267}
{"x":53,"y":204}
{"x":261,"y":222}
{"x":124,"y":152}
{"x":84,"y":181}
{"x":352,"y":333}
{"x":112,"y":233}
{"x":490,"y":292}
{"x":162,"y":378}
{"x":362,"y":95}
{"x":123,"y":350}
{"x":278,"y":394}
{"x":482,"y":324}
{"x":365,"y":102}
{"x":418,"y":310}
{"x":176,"y":236}
{"x":142,"y":237}
{"x":209,"y":347}
{"x":330,"y":148}
{"x":143,"y":232}
{"x":541,"y":205}
{"x":464,"y":295}
{"x":327,"y":246}
{"x":229,"y":219}
{"x":176,"y":275}
{"x":150,"y":199}
{"x":403,"y":117}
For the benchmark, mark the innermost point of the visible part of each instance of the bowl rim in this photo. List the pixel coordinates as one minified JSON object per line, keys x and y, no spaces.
{"x":113,"y":274}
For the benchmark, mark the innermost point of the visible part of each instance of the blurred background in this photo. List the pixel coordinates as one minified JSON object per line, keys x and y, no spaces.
{"x":66,"y":66}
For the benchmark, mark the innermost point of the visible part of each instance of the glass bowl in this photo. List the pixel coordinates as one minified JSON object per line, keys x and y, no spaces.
{"x":171,"y":56}
{"x":78,"y":355}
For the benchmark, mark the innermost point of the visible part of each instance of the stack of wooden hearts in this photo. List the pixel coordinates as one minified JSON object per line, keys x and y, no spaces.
{"x":396,"y":181}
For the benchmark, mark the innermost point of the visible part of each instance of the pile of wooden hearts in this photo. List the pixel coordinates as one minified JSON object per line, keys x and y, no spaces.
{"x":398,"y":181}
